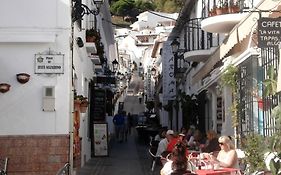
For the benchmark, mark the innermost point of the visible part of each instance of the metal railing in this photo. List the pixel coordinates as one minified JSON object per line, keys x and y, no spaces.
{"x":198,"y":39}
{"x":219,"y":7}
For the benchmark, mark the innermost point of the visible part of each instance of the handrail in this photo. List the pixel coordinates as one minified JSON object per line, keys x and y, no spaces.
{"x":4,"y":163}
{"x":64,"y":170}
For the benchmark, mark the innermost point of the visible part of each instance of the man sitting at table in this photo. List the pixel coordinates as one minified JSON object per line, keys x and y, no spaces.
{"x":162,"y":147}
{"x":227,"y":157}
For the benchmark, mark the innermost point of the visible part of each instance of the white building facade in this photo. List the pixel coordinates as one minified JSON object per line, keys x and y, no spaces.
{"x":38,"y":121}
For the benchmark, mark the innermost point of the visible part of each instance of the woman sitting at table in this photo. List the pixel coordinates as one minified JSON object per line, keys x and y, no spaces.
{"x":177,"y":164}
{"x":227,"y":157}
{"x":196,"y":140}
{"x":212,"y":144}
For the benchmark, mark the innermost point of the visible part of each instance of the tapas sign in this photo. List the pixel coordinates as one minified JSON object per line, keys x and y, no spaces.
{"x":269,"y":32}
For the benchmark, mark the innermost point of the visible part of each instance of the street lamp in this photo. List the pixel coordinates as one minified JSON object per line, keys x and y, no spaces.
{"x":175,"y":46}
{"x":179,"y":62}
{"x":115,"y":65}
{"x":153,"y":72}
{"x":79,"y":9}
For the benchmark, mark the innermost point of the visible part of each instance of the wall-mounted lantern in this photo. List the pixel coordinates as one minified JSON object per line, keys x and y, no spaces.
{"x":180,"y":64}
{"x":23,"y":77}
{"x":4,"y":87}
{"x":79,"y":42}
{"x":115,"y":65}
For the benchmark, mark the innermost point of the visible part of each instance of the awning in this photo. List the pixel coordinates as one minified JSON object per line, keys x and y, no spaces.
{"x":239,"y":32}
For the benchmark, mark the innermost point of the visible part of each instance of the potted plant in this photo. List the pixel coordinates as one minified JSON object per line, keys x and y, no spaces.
{"x":4,"y":87}
{"x":92,"y":35}
{"x":77,"y":101}
{"x":23,"y":78}
{"x":84,"y":105}
{"x":233,"y":7}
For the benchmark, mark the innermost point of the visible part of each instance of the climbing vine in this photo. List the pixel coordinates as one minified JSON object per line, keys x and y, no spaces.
{"x":229,"y":78}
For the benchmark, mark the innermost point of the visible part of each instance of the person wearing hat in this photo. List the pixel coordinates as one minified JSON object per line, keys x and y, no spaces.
{"x":164,"y":142}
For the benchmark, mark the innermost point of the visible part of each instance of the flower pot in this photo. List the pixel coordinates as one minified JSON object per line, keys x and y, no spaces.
{"x":233,"y":9}
{"x":23,"y":78}
{"x":77,"y":105}
{"x":4,"y":87}
{"x":90,"y":39}
{"x":83,"y":109}
{"x":83,"y":106}
{"x":218,"y":10}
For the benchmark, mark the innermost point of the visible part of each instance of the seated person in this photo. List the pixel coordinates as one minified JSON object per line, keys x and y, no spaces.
{"x":227,"y":157}
{"x":212,"y":144}
{"x":162,"y":146}
{"x":161,"y":135}
{"x":196,"y":140}
{"x":178,"y":162}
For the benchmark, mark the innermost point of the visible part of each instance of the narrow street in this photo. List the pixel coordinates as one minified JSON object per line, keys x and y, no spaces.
{"x":127,"y":158}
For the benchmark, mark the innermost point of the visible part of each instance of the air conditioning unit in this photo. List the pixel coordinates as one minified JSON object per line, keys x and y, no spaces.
{"x":49,"y":98}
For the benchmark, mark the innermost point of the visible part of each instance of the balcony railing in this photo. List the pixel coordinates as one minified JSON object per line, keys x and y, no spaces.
{"x":198,"y":39}
{"x":220,"y":7}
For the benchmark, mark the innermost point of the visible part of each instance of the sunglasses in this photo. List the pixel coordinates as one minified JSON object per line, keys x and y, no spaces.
{"x":220,"y":143}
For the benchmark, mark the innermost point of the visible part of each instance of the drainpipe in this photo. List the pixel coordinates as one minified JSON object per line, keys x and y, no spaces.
{"x":71,"y":97}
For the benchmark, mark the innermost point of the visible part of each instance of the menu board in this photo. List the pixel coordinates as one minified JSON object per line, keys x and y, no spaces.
{"x":100,"y":139}
{"x":99,"y":105}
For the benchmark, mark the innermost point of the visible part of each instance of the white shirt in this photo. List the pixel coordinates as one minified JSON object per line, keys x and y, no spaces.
{"x":162,"y":147}
{"x":167,"y":168}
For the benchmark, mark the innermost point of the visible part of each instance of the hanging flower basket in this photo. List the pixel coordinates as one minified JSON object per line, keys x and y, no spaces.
{"x":84,"y":105}
{"x":4,"y":87}
{"x":23,"y":78}
{"x":77,"y":103}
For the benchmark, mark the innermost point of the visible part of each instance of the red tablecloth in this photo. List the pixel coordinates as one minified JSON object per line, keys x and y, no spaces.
{"x":224,"y":171}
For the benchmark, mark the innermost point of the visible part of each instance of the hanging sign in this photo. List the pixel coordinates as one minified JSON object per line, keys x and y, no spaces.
{"x":169,"y":82}
{"x":269,"y":32}
{"x":49,"y":64}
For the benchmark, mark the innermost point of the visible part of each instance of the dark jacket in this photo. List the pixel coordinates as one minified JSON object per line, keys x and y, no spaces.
{"x":119,"y":120}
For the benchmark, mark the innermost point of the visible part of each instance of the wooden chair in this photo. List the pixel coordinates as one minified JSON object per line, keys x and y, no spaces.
{"x":64,"y":170}
{"x":3,"y":166}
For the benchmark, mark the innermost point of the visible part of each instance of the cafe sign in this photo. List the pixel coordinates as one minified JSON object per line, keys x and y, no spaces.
{"x":49,"y":64}
{"x":269,"y":32}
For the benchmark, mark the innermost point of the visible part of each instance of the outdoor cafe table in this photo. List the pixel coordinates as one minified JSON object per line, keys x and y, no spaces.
{"x":223,"y":171}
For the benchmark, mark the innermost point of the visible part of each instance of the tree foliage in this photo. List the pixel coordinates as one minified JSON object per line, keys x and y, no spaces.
{"x":135,"y":7}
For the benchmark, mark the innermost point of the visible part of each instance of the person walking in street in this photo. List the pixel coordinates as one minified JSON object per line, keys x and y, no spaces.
{"x":130,"y":121}
{"x":140,"y":97}
{"x":119,"y":122}
{"x":126,"y":126}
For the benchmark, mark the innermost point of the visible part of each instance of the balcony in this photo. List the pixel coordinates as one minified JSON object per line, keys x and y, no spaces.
{"x":222,"y":15}
{"x":199,"y":44}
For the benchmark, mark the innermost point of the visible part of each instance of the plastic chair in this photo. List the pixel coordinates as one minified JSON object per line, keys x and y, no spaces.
{"x":155,"y":158}
{"x":3,"y":166}
{"x":64,"y":170}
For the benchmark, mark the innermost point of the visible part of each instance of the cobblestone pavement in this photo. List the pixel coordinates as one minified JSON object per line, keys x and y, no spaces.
{"x":127,"y":158}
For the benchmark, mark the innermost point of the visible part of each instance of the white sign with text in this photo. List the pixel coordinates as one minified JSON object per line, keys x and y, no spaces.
{"x":49,"y":64}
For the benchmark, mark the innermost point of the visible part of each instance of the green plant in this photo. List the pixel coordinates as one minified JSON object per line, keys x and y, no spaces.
{"x":275,"y":142}
{"x":229,"y":78}
{"x":270,"y":83}
{"x":254,"y":148}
